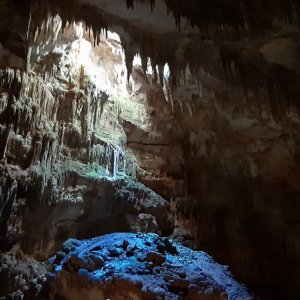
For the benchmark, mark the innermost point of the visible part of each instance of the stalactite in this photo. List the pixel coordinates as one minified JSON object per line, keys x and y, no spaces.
{"x":129,"y":56}
{"x":239,"y":14}
{"x":144,"y":59}
{"x":116,"y":162}
{"x":8,"y":192}
{"x":154,"y":70}
{"x":212,"y":20}
{"x":161,"y":74}
{"x":5,"y":137}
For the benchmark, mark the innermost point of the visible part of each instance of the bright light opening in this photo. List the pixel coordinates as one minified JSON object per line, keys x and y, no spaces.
{"x":107,"y":77}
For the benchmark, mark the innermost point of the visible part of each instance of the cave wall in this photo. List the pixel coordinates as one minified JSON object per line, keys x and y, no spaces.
{"x":75,"y":139}
{"x":242,"y":173}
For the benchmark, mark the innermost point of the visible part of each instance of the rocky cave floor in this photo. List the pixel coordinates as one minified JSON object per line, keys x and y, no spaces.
{"x":115,"y":265}
{"x":121,"y":266}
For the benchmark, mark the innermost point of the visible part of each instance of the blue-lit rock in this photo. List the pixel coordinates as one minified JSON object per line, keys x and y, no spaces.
{"x":138,"y":266}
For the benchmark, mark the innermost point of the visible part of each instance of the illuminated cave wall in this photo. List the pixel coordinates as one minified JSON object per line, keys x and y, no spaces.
{"x":76,"y":136}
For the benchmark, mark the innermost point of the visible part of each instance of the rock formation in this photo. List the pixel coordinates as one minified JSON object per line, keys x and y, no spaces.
{"x":136,"y":266}
{"x":174,"y":117}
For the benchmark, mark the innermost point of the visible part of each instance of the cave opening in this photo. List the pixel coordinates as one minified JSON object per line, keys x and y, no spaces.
{"x":138,"y":136}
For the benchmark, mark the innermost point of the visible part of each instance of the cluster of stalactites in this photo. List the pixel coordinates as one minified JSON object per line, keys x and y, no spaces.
{"x":150,"y":2}
{"x":244,"y":16}
{"x":42,"y":12}
{"x":43,"y":21}
{"x":111,"y":158}
{"x":8,"y":193}
{"x":241,"y":15}
{"x":47,"y":138}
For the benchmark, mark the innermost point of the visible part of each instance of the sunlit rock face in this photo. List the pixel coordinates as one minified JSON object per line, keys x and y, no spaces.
{"x":74,"y":131}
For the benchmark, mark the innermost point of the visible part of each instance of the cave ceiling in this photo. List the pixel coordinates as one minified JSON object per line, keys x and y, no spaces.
{"x":233,"y":40}
{"x":225,"y":150}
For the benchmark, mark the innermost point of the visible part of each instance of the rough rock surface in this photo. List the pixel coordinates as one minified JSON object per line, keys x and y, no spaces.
{"x":138,"y":266}
{"x":87,"y":206}
{"x":66,"y":158}
{"x":218,"y":135}
{"x":18,"y":273}
{"x":242,"y":186}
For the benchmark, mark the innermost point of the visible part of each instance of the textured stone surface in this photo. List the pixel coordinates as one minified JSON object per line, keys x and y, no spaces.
{"x":242,"y":174}
{"x":218,"y":136}
{"x":138,"y":266}
{"x":64,"y":147}
{"x":19,"y":272}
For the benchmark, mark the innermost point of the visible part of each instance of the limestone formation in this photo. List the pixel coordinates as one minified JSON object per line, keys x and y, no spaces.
{"x":174,"y":117}
{"x":137,"y":266}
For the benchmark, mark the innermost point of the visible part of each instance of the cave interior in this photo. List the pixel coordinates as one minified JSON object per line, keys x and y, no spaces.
{"x":149,"y":149}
